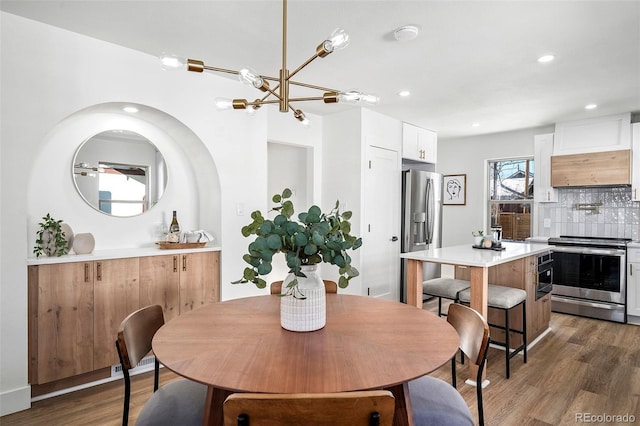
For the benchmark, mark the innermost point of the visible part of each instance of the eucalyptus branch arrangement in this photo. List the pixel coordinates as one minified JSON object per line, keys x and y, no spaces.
{"x":50,"y":238}
{"x":316,"y":237}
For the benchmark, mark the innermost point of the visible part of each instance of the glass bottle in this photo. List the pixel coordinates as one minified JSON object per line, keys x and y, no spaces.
{"x":174,"y":229}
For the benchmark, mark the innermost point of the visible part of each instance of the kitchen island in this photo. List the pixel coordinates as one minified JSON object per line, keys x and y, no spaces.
{"x":478,"y":261}
{"x":515,"y":266}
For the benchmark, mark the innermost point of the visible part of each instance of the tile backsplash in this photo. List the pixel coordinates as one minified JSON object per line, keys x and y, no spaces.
{"x":617,"y":217}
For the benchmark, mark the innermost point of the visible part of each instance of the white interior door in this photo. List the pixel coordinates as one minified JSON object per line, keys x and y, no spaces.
{"x":381,"y":244}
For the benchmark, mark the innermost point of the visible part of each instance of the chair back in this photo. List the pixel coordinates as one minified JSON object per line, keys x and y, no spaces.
{"x":329,"y":286}
{"x":361,"y":408}
{"x":473,"y":331}
{"x":136,"y":332}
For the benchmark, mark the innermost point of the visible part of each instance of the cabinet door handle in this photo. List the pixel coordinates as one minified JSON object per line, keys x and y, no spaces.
{"x":175,"y":263}
{"x":184,"y":262}
{"x":86,"y":272}
{"x":99,"y":271}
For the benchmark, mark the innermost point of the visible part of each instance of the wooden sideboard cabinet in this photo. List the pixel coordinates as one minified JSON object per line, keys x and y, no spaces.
{"x":179,"y":283}
{"x":60,"y":321}
{"x":75,"y":308}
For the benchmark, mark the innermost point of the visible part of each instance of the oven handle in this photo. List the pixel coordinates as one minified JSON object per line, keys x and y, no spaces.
{"x":589,"y":250}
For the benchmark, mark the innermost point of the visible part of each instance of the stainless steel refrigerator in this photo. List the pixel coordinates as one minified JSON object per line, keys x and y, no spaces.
{"x":421,"y":219}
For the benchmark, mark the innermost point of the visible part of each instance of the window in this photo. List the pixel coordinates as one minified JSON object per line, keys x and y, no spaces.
{"x":511,"y":197}
{"x":122,"y":189}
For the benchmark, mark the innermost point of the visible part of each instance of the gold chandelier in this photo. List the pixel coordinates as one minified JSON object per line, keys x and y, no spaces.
{"x":337,"y":40}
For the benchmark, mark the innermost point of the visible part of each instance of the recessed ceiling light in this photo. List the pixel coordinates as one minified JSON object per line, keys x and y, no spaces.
{"x":130,"y":109}
{"x":406,"y":32}
{"x":546,"y":58}
{"x":404,"y":93}
{"x":591,"y":106}
{"x":475,"y":125}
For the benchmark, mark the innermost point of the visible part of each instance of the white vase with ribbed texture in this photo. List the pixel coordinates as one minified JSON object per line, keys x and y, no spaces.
{"x":305,"y":307}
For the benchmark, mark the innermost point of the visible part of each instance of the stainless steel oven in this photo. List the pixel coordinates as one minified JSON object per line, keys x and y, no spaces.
{"x":544,"y":275}
{"x":589,"y":277}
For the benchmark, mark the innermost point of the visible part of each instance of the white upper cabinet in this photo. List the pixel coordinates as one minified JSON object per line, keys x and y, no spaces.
{"x":543,"y":149}
{"x":609,"y":133}
{"x":635,"y":166}
{"x":419,"y":144}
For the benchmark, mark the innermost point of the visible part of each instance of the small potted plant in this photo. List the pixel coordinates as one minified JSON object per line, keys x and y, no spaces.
{"x":53,"y":238}
{"x":478,"y":236}
{"x":314,"y":238}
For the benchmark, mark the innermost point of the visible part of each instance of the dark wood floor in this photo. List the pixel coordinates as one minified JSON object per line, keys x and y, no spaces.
{"x":581,"y":366}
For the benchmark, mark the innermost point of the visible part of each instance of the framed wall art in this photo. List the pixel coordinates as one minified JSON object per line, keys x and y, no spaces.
{"x":455,"y":190}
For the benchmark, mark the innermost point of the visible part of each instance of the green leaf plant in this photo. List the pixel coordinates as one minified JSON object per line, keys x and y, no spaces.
{"x":50,"y":238}
{"x":316,"y":237}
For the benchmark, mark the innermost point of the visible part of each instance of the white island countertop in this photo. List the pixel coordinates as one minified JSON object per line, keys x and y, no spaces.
{"x":466,"y":255}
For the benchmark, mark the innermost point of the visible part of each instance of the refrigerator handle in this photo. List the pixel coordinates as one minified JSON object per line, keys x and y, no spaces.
{"x":430,"y":213}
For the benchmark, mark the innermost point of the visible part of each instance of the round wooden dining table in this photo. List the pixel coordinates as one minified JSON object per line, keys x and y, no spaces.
{"x":367,"y":343}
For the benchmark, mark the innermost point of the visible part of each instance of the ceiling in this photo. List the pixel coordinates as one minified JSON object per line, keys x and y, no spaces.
{"x":473,"y":61}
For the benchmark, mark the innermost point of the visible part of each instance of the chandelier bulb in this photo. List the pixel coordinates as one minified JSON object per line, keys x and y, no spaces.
{"x":250,"y":77}
{"x":369,"y":98}
{"x":172,"y":62}
{"x":338,"y":39}
{"x":223,"y":103}
{"x":299,"y":115}
{"x":350,"y":96}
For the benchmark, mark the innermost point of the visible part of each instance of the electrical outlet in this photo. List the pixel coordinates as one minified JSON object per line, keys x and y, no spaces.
{"x":547,"y":222}
{"x":240,"y":209}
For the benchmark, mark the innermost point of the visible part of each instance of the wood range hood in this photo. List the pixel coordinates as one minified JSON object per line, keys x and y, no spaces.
{"x":607,"y":168}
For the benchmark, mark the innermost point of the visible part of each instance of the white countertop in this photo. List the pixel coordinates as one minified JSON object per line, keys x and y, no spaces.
{"x":115,"y":254}
{"x":466,"y":255}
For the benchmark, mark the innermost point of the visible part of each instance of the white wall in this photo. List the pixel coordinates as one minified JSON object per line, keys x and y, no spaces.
{"x":217,"y":160}
{"x":469,"y":156}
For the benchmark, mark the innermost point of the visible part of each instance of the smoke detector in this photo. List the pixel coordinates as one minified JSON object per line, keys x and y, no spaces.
{"x":406,"y":33}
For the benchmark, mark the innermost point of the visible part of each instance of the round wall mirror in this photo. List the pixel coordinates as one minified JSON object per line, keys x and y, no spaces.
{"x":119,"y":173}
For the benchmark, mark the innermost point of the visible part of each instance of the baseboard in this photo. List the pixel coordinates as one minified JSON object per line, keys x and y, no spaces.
{"x":145,"y":365}
{"x":15,"y":400}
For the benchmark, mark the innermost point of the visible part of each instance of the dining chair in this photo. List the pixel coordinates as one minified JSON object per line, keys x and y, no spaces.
{"x":359,"y":408}
{"x":435,"y":401}
{"x":330,"y":287}
{"x":179,"y":402}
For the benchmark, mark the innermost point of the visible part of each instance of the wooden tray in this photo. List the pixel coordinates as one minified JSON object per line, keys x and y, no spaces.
{"x":173,"y":246}
{"x":489,"y":248}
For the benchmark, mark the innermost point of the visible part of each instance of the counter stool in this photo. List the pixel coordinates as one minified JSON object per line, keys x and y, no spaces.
{"x":505,"y":298}
{"x":447,"y":288}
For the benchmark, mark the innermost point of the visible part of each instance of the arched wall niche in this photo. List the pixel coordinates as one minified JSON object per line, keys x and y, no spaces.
{"x":193,"y":184}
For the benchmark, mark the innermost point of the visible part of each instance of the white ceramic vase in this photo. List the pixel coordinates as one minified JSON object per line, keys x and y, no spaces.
{"x":306,"y":308}
{"x":48,"y":244}
{"x":83,"y":243}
